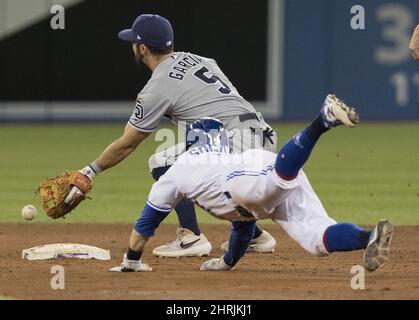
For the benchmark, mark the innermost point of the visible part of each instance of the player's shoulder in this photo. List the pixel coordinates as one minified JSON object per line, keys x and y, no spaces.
{"x":171,"y":76}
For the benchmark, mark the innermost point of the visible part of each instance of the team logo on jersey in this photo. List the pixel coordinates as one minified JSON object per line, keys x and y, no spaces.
{"x":139,"y":110}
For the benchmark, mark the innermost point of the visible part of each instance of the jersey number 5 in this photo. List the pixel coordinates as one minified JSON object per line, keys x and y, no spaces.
{"x":200,"y":74}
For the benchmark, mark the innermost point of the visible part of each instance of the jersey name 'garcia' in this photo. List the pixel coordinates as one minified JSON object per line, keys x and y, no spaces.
{"x":186,"y":87}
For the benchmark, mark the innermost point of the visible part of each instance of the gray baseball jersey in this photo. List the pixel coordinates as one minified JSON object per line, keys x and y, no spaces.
{"x":186,"y":87}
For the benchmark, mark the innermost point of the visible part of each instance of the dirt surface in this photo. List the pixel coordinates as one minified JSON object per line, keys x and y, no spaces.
{"x":289,"y":273}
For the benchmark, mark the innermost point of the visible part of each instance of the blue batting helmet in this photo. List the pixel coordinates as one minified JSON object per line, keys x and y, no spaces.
{"x":206,"y":131}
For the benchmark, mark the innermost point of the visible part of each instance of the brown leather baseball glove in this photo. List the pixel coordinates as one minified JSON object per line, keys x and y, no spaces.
{"x":62,"y":194}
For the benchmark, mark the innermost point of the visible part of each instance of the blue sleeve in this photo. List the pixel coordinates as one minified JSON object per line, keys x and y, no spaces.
{"x":149,"y":221}
{"x":241,"y":234}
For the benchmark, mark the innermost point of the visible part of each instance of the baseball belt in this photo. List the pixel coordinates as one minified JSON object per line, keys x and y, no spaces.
{"x":250,"y":116}
{"x":267,"y":133}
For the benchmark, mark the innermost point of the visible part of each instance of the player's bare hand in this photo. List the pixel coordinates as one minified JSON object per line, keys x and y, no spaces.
{"x":215,"y":265}
{"x":414,"y":44}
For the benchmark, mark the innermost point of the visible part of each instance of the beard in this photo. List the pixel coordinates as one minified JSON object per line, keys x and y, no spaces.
{"x":139,"y":60}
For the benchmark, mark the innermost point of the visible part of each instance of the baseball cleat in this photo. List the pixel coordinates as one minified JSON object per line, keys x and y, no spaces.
{"x":265,"y":243}
{"x":378,"y":248}
{"x":131,"y":266}
{"x":187,"y":244}
{"x":335,"y":112}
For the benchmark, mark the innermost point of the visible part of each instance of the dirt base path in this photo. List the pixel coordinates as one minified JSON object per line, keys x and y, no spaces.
{"x":289,"y":273}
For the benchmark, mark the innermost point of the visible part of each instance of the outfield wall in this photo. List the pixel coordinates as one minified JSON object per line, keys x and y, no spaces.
{"x":282,"y":55}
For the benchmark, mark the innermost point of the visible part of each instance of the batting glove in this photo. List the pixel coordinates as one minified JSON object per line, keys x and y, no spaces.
{"x":88,"y":172}
{"x":215,"y":265}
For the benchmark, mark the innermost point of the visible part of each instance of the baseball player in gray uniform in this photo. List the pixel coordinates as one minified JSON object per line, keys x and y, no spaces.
{"x":183,"y":87}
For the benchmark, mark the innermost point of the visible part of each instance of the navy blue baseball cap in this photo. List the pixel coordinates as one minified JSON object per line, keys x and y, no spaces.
{"x":151,"y":30}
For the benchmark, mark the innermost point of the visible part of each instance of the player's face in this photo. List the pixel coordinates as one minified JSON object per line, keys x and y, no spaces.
{"x":138,"y":56}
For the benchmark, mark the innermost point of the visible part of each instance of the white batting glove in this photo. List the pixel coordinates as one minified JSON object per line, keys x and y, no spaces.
{"x":215,"y":265}
{"x":88,"y":172}
{"x":132,"y":266}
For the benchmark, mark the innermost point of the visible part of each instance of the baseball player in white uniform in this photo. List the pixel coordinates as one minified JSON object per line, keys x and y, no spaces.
{"x":183,"y":87}
{"x":256,"y":184}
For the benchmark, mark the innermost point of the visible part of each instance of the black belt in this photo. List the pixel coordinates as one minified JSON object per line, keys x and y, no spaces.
{"x":248,"y":116}
{"x":267,"y":132}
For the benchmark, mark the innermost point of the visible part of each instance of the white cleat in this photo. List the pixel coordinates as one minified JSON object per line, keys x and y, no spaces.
{"x":335,"y":112}
{"x":378,"y":248}
{"x":131,"y":266}
{"x":187,"y":244}
{"x":265,"y":243}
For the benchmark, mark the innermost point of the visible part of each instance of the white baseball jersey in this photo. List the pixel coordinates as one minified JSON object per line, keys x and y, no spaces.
{"x":244,"y":187}
{"x":187,"y":87}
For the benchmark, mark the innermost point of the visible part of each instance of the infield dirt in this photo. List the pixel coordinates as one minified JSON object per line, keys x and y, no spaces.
{"x":289,"y":273}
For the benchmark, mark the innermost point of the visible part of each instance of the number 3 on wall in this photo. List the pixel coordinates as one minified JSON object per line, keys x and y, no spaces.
{"x":398,"y":20}
{"x":200,"y":74}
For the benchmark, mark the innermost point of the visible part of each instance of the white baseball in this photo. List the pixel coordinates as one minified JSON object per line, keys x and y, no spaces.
{"x":29,"y":212}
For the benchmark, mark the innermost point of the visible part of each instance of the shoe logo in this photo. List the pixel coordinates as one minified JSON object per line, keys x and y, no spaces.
{"x":190,"y":244}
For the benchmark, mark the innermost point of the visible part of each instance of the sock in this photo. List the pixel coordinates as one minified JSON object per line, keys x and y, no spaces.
{"x":185,"y":209}
{"x":133,"y":255}
{"x":258,"y":232}
{"x":294,"y":154}
{"x":345,"y":236}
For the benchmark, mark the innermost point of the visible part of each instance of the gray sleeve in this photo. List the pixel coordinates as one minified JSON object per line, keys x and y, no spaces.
{"x":149,"y":109}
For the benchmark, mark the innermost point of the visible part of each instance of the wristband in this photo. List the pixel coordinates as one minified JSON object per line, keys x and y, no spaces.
{"x":95,"y":167}
{"x":89,"y":172}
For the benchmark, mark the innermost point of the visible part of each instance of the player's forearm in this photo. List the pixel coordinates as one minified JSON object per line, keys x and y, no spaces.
{"x":120,"y":149}
{"x":241,"y":235}
{"x":115,"y":153}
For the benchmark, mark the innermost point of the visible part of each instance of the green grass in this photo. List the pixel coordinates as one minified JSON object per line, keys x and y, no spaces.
{"x":360,"y":174}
